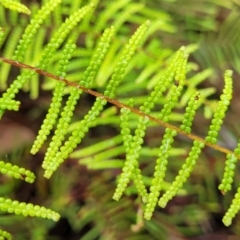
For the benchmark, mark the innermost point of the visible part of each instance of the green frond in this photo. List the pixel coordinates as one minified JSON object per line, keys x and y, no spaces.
{"x":5,"y":235}
{"x":1,"y":36}
{"x":9,"y":104}
{"x":132,"y":9}
{"x":230,"y":165}
{"x":32,"y":28}
{"x":54,"y":43}
{"x":55,"y":105}
{"x":221,"y":108}
{"x":163,"y":82}
{"x":86,"y":81}
{"x":76,"y":137}
{"x":124,"y":60}
{"x":16,"y":172}
{"x":131,"y":164}
{"x":112,"y":8}
{"x":62,"y":33}
{"x":89,"y":118}
{"x":12,"y":37}
{"x":175,"y":90}
{"x":97,"y":147}
{"x":190,"y":112}
{"x":125,"y":130}
{"x":27,"y":209}
{"x":183,"y":174}
{"x":15,"y":6}
{"x":232,"y":210}
{"x":159,"y":173}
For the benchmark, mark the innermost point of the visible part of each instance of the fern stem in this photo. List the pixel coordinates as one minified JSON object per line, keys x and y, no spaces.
{"x":118,"y":104}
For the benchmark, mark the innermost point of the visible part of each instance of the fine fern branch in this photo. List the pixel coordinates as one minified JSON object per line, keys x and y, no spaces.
{"x":1,"y":35}
{"x":32,"y":28}
{"x":173,"y":79}
{"x":227,"y":179}
{"x":15,"y":6}
{"x":5,"y":235}
{"x":162,"y":160}
{"x":27,"y":209}
{"x":86,"y":81}
{"x":55,"y":42}
{"x":196,"y":149}
{"x":233,"y":209}
{"x":183,"y":174}
{"x":118,"y":104}
{"x":135,"y":146}
{"x":84,"y":125}
{"x":58,"y":92}
{"x":16,"y":172}
{"x":221,"y":109}
{"x":6,"y":104}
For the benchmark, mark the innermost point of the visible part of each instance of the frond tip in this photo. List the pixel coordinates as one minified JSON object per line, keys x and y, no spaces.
{"x":15,"y":6}
{"x":27,"y":209}
{"x":16,"y":172}
{"x":5,"y":235}
{"x":233,"y":209}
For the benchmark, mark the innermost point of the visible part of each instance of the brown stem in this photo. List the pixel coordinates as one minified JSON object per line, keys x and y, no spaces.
{"x":116,"y":103}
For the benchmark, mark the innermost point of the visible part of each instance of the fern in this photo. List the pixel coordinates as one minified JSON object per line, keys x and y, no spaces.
{"x":167,"y":90}
{"x":16,"y":6}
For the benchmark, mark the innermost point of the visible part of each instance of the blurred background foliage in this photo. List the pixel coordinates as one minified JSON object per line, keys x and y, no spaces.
{"x":81,"y":190}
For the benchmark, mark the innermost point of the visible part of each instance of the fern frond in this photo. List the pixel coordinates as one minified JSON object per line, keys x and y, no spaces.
{"x":1,"y":36}
{"x":159,"y":173}
{"x":86,"y":81}
{"x":132,"y":9}
{"x":27,"y":209}
{"x":9,"y":104}
{"x":221,"y":108}
{"x":88,"y":120}
{"x":54,"y":43}
{"x":193,"y":155}
{"x":32,"y":28}
{"x":196,"y":149}
{"x":168,"y":137}
{"x":193,"y":104}
{"x":12,"y":39}
{"x":15,"y":6}
{"x":112,"y":8}
{"x":16,"y":172}
{"x":131,"y":163}
{"x":125,"y":130}
{"x":232,"y":210}
{"x":54,"y":108}
{"x":230,"y":165}
{"x":183,"y":174}
{"x":5,"y":235}
{"x":175,"y":90}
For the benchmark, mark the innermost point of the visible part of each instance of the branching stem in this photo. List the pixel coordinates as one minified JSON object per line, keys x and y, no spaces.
{"x":116,"y":103}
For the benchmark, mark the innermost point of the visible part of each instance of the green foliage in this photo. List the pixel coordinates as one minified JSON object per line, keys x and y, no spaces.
{"x":15,"y":6}
{"x":5,"y":235}
{"x":54,"y":108}
{"x":155,"y":92}
{"x":233,"y":209}
{"x":7,"y":205}
{"x":16,"y":172}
